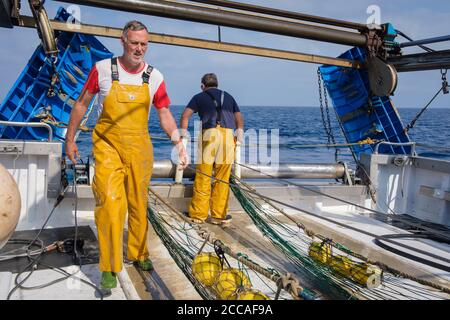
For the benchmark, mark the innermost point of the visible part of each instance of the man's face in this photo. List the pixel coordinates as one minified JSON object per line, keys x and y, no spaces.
{"x":135,"y":46}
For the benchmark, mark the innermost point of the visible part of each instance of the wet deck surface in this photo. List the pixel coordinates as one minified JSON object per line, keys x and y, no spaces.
{"x":166,"y":281}
{"x":69,"y":289}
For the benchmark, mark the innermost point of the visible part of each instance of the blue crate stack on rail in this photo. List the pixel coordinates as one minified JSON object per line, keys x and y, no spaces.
{"x":28,"y":101}
{"x":360,"y":114}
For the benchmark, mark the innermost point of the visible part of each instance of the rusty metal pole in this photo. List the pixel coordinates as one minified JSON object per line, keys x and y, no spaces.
{"x":183,"y":11}
{"x":284,"y":13}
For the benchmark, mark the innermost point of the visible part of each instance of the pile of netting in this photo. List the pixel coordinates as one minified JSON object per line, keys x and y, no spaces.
{"x":329,"y":266}
{"x":213,"y":268}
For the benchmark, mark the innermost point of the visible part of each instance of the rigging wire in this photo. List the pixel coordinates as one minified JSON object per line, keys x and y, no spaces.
{"x":418,"y":115}
{"x":444,"y":87}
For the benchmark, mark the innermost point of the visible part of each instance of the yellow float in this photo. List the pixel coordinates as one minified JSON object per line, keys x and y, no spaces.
{"x":10,"y":205}
{"x":320,"y":251}
{"x":250,"y":294}
{"x":206,"y":267}
{"x":362,"y":273}
{"x":230,"y":282}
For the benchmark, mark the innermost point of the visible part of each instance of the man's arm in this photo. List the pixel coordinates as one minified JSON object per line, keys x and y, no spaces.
{"x":76,"y":115}
{"x":184,"y":121}
{"x":169,"y":126}
{"x":239,"y":119}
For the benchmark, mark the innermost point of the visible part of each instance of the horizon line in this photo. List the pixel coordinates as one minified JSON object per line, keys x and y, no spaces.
{"x":271,"y":106}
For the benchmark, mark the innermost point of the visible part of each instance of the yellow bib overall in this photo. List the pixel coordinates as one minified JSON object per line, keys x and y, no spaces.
{"x":123,"y":155}
{"x":216,"y":153}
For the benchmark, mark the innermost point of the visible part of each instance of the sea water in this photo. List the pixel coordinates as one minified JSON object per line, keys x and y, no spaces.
{"x":300,"y":126}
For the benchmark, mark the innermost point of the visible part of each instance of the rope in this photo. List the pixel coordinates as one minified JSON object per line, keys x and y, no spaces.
{"x":367,"y":141}
{"x":320,"y":275}
{"x":297,"y":292}
{"x":377,"y":213}
{"x":310,"y":233}
{"x":315,"y":272}
{"x":328,"y":219}
{"x":237,"y":187}
{"x":288,"y":281}
{"x":346,"y":250}
{"x":180,"y":254}
{"x":413,"y":122}
{"x":59,"y":124}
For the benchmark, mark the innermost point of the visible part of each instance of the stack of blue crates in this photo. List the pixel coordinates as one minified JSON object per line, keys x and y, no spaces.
{"x":28,"y":97}
{"x":360,"y":114}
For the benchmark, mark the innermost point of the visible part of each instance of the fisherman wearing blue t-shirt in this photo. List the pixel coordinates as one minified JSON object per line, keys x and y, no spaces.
{"x":220,"y":115}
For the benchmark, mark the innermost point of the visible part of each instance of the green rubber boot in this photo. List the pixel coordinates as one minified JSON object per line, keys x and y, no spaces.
{"x":145,"y":265}
{"x":109,"y":280}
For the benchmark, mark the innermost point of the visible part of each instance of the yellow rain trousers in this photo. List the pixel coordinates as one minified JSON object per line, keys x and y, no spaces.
{"x":216,"y":152}
{"x":123,"y":155}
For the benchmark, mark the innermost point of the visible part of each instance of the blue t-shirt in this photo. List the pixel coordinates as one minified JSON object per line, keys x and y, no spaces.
{"x":204,"y":105}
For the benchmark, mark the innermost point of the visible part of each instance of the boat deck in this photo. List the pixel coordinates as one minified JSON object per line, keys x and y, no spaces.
{"x":168,"y":282}
{"x":70,"y":289}
{"x":243,"y":236}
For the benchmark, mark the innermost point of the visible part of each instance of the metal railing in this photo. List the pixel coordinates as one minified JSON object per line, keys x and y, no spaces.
{"x":29,"y":124}
{"x":412,"y":144}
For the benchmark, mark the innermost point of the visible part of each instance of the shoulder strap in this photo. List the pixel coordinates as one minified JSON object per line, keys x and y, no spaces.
{"x":114,"y":69}
{"x":212,"y":97}
{"x":218,"y":106}
{"x":146,"y":74}
{"x":222,"y":97}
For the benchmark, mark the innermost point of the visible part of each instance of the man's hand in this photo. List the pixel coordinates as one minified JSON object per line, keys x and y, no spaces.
{"x":182,"y":155}
{"x":239,"y":135}
{"x":72,"y":151}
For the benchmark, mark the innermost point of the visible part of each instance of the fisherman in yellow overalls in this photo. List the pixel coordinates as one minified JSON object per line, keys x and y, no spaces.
{"x":122,"y":148}
{"x":220,"y":115}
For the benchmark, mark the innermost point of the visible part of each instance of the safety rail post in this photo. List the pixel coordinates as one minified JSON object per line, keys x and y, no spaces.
{"x":179,"y":172}
{"x":237,"y":160}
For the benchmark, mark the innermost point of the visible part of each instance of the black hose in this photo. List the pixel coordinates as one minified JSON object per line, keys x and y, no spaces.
{"x":379,"y":241}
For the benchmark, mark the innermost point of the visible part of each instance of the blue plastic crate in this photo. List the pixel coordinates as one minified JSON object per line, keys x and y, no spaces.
{"x":28,"y":98}
{"x":363,"y":116}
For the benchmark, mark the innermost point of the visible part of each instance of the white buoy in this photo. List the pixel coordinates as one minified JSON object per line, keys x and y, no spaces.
{"x":9,"y":205}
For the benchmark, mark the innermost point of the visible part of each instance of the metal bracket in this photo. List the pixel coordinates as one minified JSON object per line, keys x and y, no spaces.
{"x":11,"y":149}
{"x":435,"y":193}
{"x":347,"y":175}
{"x":15,"y":9}
{"x":445,"y":89}
{"x":44,"y":27}
{"x":374,"y":43}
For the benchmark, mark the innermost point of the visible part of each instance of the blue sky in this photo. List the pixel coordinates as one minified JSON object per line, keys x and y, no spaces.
{"x":253,"y":80}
